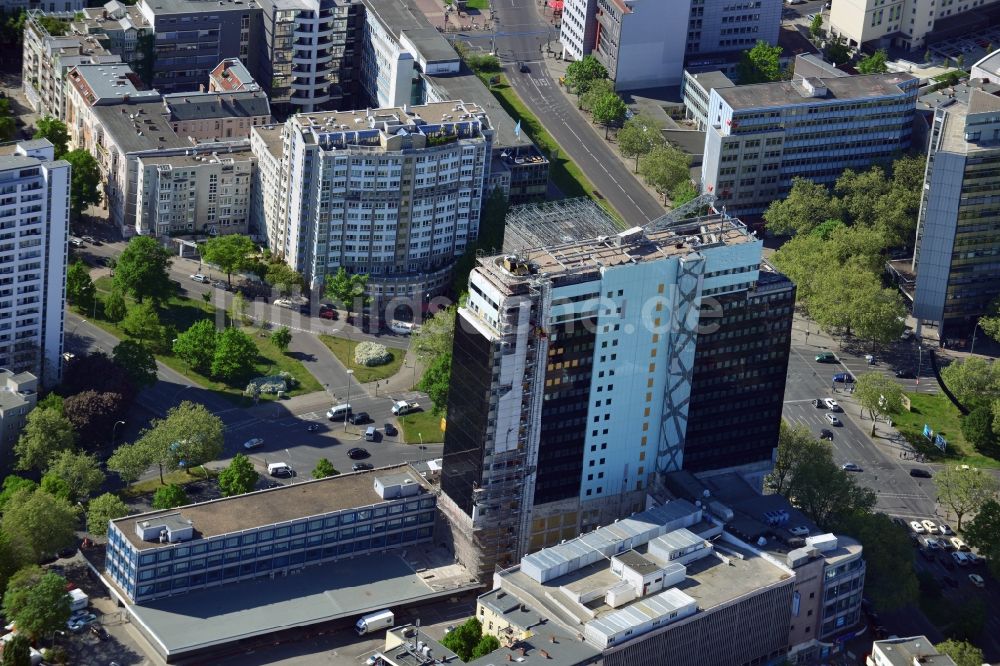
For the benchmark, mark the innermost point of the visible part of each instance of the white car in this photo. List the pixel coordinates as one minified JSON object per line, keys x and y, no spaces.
{"x":917,"y":527}
{"x":977,"y":580}
{"x":832,"y":419}
{"x":253,"y":443}
{"x":374,"y":659}
{"x":851,"y":467}
{"x":945,"y":530}
{"x":831,"y":404}
{"x":957,"y":544}
{"x":198,"y":277}
{"x":929,"y":526}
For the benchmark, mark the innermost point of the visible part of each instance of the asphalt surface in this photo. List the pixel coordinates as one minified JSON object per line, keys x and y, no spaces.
{"x":522,"y":37}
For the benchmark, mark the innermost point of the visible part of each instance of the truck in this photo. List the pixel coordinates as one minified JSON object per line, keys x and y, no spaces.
{"x":401,"y":407}
{"x":383,"y":619}
{"x":78,"y":599}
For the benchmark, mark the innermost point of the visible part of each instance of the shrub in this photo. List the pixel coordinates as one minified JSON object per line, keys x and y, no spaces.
{"x":283,"y":381}
{"x":371,"y":354}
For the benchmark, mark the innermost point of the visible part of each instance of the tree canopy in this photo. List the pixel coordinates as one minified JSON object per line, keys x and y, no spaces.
{"x":323,"y":469}
{"x":281,"y":338}
{"x":46,"y":433}
{"x":965,"y":491}
{"x":137,"y":361}
{"x":890,"y":581}
{"x":879,"y":395}
{"x":85,"y":181}
{"x":55,"y":131}
{"x":874,"y":63}
{"x":760,"y":64}
{"x":235,"y":354}
{"x":231,"y":253}
{"x":347,"y":289}
{"x":80,"y":290}
{"x":169,"y":496}
{"x":196,"y":346}
{"x":37,"y":602}
{"x":582,"y":73}
{"x":142,"y":322}
{"x":94,"y":414}
{"x":239,"y":477}
{"x":640,"y":135}
{"x":608,"y":110}
{"x":38,"y":524}
{"x":962,"y":653}
{"x":102,"y":510}
{"x":982,"y":533}
{"x":142,"y":270}
{"x":664,"y":168}
{"x":79,"y":471}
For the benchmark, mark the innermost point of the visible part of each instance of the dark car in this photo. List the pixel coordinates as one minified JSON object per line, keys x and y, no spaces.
{"x":99,"y":631}
{"x":826,"y":433}
{"x":843,"y":378}
{"x":816,"y":402}
{"x":921,"y":473}
{"x":361,"y":467}
{"x":358,"y":453}
{"x":523,"y":68}
{"x":359,"y":418}
{"x":390,"y":430}
{"x":326,"y":312}
{"x":905,"y":374}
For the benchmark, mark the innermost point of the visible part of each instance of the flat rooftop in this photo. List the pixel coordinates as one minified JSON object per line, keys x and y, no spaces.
{"x":789,"y":93}
{"x":241,"y":154}
{"x":139,"y":126}
{"x":951,"y":95}
{"x":271,"y":136}
{"x":435,"y":113}
{"x":344,"y":589}
{"x":908,"y":651}
{"x":633,"y":246}
{"x":206,"y":105}
{"x":403,"y":18}
{"x":271,"y":506}
{"x":467,"y":86}
{"x":108,"y":83}
{"x":953,"y":135}
{"x":161,"y":7}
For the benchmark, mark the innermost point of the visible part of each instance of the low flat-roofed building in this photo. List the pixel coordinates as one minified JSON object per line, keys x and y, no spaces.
{"x":907,"y":652}
{"x":267,"y":533}
{"x":696,"y":87}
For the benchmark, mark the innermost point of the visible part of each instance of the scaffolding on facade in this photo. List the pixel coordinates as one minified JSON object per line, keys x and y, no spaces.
{"x":546,"y":223}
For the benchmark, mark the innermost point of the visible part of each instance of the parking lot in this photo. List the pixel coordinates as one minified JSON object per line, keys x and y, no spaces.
{"x":971,"y":49}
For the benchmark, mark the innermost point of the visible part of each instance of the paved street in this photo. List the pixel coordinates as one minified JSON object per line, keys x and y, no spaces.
{"x":527,"y":32}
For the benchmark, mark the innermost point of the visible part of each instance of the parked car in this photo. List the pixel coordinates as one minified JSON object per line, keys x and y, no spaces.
{"x":945,"y":530}
{"x":933,"y":543}
{"x":958,"y":544}
{"x":977,"y":580}
{"x":929,"y":526}
{"x":921,"y":473}
{"x":832,"y":419}
{"x":905,"y":374}
{"x":843,"y":378}
{"x":851,"y":467}
{"x":221,"y":284}
{"x":816,"y":402}
{"x":832,"y":405}
{"x":90,"y":239}
{"x":198,"y":277}
{"x":327,"y":312}
{"x":361,"y":467}
{"x":358,"y":453}
{"x":826,"y":433}
{"x":826,"y":357}
{"x":390,"y":430}
{"x":254,"y":443}
{"x":359,"y":418}
{"x":917,"y":527}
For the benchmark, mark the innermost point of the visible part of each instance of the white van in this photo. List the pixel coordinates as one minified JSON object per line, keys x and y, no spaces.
{"x":374,"y":621}
{"x":279,"y":469}
{"x":339,"y":412}
{"x":371,"y":434}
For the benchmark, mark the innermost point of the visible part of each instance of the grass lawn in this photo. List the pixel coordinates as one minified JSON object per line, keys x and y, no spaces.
{"x":477,"y":4}
{"x":421,"y":424}
{"x":176,"y":477}
{"x":181,"y":312}
{"x":566,"y":175}
{"x":344,"y":351}
{"x":943,"y":417}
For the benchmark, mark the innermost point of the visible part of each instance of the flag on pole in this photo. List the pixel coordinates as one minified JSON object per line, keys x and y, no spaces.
{"x":517,"y":129}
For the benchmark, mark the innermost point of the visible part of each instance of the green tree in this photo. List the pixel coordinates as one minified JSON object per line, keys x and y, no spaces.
{"x":137,"y":362}
{"x":879,"y":316}
{"x":639,"y":136}
{"x":37,"y":602}
{"x":595,"y":92}
{"x":977,"y":428}
{"x":85,"y":185}
{"x":965,"y":491}
{"x":167,"y":497}
{"x":582,"y":73}
{"x":806,"y":206}
{"x":346,"y":289}
{"x":235,"y":354}
{"x":11,"y":485}
{"x":760,"y":64}
{"x":231,"y":253}
{"x":683,"y":193}
{"x":464,"y":638}
{"x":80,"y":290}
{"x":960,"y":60}
{"x":142,"y":270}
{"x":837,"y":51}
{"x":143,"y":322}
{"x":436,"y":381}
{"x":115,"y":308}
{"x":486,"y":644}
{"x":17,"y":651}
{"x":196,"y":346}
{"x":93,"y":414}
{"x":974,"y":381}
{"x":816,"y":27}
{"x":961,"y":652}
{"x":56,"y":487}
{"x":52,"y":401}
{"x":796,"y":444}
{"x":928,"y":56}
{"x":81,"y":473}
{"x":323,"y":469}
{"x":45,"y":433}
{"x":982,"y":533}
{"x":238,"y":311}
{"x":664,"y":168}
{"x":38,"y":524}
{"x":283,"y":277}
{"x":878,"y":394}
{"x":890,"y":581}
{"x":239,"y":477}
{"x":55,"y":131}
{"x":609,"y":110}
{"x":102,"y":510}
{"x":281,"y":338}
{"x":189,"y":436}
{"x":873,"y":64}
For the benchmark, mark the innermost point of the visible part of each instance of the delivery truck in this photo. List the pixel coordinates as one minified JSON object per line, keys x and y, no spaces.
{"x":383,"y":619}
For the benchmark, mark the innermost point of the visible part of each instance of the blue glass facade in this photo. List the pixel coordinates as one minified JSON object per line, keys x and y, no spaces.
{"x":162,"y":570}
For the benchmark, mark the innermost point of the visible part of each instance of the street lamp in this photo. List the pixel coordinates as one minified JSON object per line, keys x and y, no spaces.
{"x":114,"y":430}
{"x":920,"y":360}
{"x":975,"y":328}
{"x":347,"y":416}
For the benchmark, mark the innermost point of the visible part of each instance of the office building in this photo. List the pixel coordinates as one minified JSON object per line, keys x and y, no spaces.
{"x":695,"y":91}
{"x":193,"y":36}
{"x":906,"y":652}
{"x":666,"y":586}
{"x":47,"y":59}
{"x":644,"y":43}
{"x":267,"y":533}
{"x":762,"y":136}
{"x":900,"y":24}
{"x":34,"y":224}
{"x":987,"y":69}
{"x":393,"y":193}
{"x":204,"y":194}
{"x":308,"y":54}
{"x":582,"y":365}
{"x":18,"y":396}
{"x":957,"y":238}
{"x":13,"y":7}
